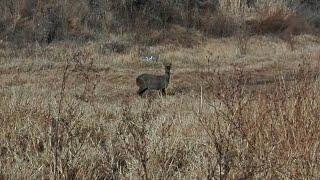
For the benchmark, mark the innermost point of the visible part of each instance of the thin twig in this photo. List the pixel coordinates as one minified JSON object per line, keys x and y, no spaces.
{"x":57,"y":119}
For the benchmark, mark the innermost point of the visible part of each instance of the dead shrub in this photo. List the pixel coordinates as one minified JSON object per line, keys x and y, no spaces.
{"x":175,"y":34}
{"x":115,"y":47}
{"x":243,"y":40}
{"x":218,"y":25}
{"x":286,"y":26}
{"x":30,"y":21}
{"x":297,"y":24}
{"x":3,"y":26}
{"x":133,"y":132}
{"x":252,"y":117}
{"x":278,"y":23}
{"x":28,"y":8}
{"x":44,"y":27}
{"x":272,"y":24}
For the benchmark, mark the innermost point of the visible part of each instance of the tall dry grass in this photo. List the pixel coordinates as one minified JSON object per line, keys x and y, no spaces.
{"x":236,"y":126}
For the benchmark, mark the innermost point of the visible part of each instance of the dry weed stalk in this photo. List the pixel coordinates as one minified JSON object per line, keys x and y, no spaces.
{"x":56,"y":121}
{"x":66,"y":121}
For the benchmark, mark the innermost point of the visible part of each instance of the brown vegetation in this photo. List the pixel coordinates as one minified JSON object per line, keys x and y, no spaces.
{"x":226,"y":118}
{"x":241,"y":103}
{"x":29,"y":21}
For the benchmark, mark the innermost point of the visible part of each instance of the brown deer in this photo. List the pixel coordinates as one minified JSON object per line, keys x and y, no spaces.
{"x":154,"y":82}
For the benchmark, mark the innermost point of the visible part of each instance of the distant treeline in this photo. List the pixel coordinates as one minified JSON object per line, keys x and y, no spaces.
{"x":54,"y":20}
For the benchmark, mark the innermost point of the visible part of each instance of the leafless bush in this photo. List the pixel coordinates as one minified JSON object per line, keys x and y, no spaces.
{"x":134,"y":134}
{"x":116,"y":47}
{"x":65,"y":126}
{"x":33,"y":21}
{"x":243,"y":38}
{"x":218,"y":25}
{"x":231,"y":125}
{"x":175,"y":34}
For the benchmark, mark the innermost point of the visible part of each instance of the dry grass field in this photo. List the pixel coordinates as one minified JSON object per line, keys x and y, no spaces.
{"x":70,"y":111}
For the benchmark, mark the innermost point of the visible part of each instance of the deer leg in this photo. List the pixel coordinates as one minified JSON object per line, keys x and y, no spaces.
{"x":163,"y":91}
{"x":141,"y":91}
